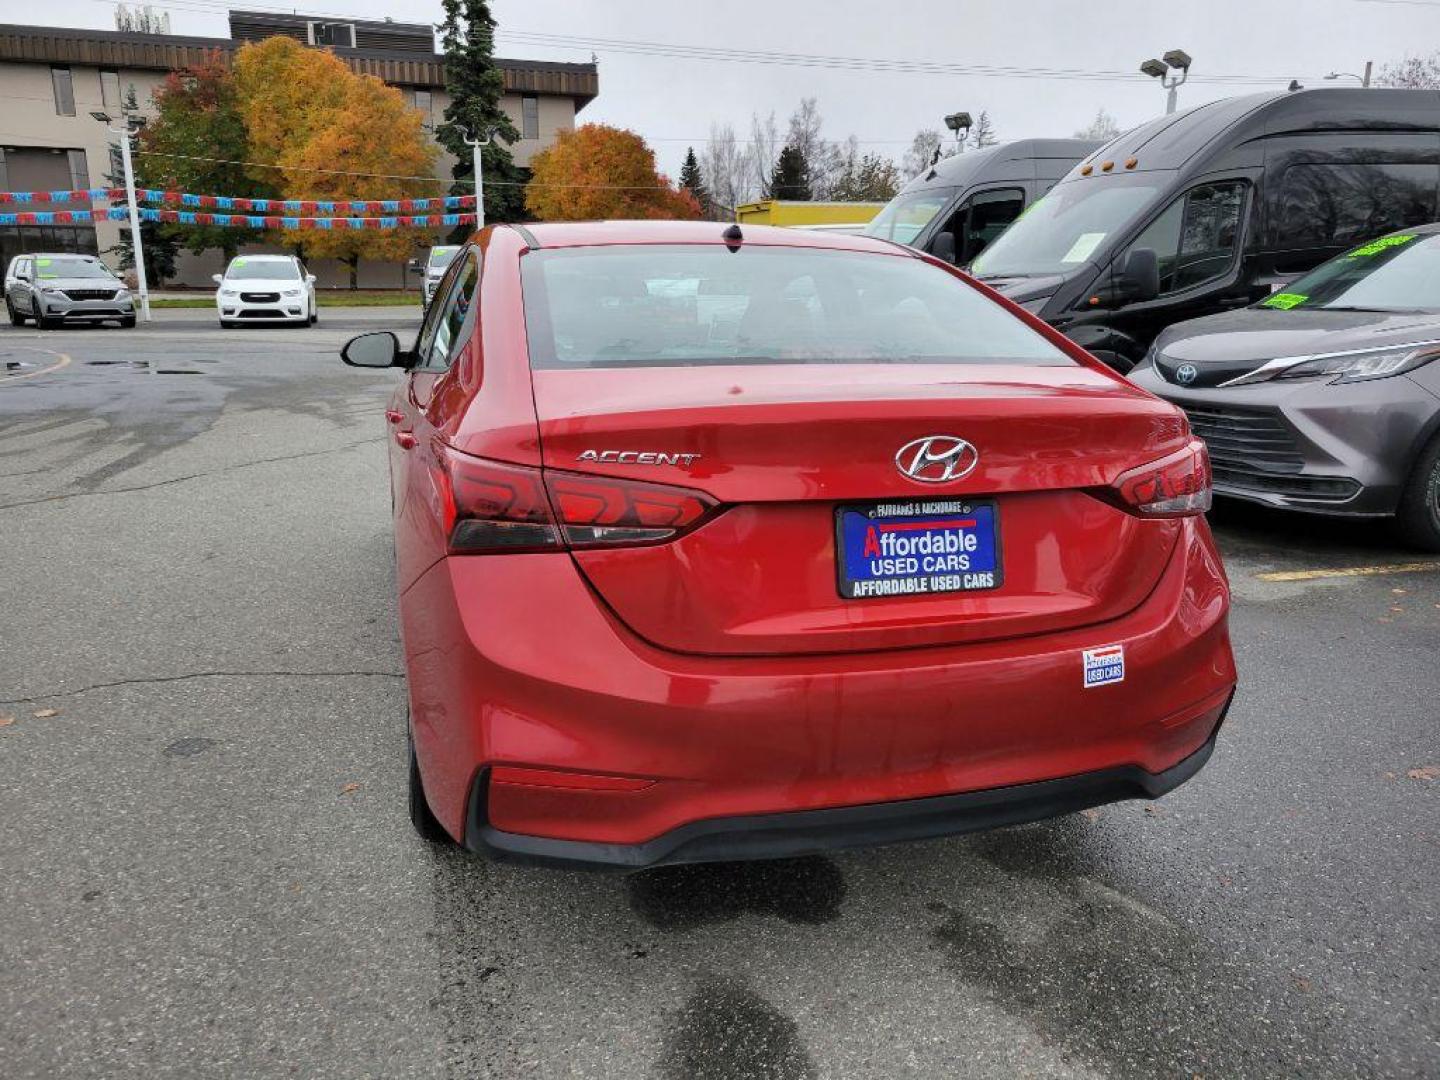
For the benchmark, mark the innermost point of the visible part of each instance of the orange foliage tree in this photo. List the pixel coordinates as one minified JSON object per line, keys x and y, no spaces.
{"x":329,"y":134}
{"x":598,"y":171}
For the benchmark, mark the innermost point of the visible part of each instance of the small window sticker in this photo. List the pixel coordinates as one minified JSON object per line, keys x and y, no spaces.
{"x":1084,"y":246}
{"x":1284,"y":300}
{"x":1104,"y":665}
{"x":1377,"y":246}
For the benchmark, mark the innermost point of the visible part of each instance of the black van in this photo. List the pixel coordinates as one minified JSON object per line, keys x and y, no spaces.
{"x":960,"y":204}
{"x":1216,"y":207}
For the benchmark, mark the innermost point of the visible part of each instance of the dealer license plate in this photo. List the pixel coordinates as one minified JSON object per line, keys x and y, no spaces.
{"x":917,"y":548}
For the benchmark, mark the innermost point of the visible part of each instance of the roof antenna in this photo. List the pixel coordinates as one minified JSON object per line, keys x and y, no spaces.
{"x":733,"y":237}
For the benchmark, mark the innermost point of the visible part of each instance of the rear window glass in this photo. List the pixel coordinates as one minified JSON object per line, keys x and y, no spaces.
{"x":668,"y":305}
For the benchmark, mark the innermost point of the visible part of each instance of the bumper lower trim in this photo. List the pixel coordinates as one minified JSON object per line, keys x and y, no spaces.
{"x":805,"y":832}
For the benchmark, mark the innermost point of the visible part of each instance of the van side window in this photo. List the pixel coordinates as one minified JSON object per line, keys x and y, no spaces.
{"x":1195,"y":237}
{"x":1339,"y":204}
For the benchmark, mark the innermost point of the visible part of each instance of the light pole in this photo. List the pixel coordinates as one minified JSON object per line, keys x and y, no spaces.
{"x":476,"y":144}
{"x":132,"y":125}
{"x":1174,"y":60}
{"x":1364,"y":79}
{"x":960,"y":123}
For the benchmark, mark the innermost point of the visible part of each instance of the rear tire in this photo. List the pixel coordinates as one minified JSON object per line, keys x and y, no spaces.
{"x":1418,"y":518}
{"x":421,"y":816}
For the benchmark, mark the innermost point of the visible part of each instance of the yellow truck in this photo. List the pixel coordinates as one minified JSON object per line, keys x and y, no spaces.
{"x":831,"y":216}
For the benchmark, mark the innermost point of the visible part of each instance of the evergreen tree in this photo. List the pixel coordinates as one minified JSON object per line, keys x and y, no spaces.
{"x":692,"y":181}
{"x":790,"y":178}
{"x":475,"y":86}
{"x":984,"y":133}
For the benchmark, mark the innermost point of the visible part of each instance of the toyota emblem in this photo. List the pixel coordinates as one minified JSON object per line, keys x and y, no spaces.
{"x":936,"y":459}
{"x":1186,"y":374}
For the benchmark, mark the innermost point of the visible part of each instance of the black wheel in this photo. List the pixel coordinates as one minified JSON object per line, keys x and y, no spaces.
{"x":420,"y":814}
{"x":128,"y":323}
{"x":226,"y":324}
{"x":47,"y":323}
{"x":1418,"y":518}
{"x":16,"y":319}
{"x":314,"y":316}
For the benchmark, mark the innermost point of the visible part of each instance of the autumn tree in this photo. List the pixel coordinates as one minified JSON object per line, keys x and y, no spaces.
{"x":598,"y":171}
{"x":475,"y":86}
{"x":192,"y":144}
{"x":1414,"y":72}
{"x":320,"y":131}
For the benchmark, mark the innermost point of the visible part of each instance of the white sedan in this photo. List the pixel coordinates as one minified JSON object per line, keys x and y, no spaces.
{"x":265,"y":288}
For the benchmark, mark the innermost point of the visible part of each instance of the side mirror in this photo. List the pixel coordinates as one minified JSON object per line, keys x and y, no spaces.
{"x":310,"y":279}
{"x":943,"y":247}
{"x":377,"y":350}
{"x":1140,"y":276}
{"x":217,"y":278}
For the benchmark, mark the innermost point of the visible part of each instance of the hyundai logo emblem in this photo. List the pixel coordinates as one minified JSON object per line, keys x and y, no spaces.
{"x":936,"y":459}
{"x":1185,"y":374}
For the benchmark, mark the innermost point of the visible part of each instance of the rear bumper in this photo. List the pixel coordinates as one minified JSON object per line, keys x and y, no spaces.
{"x":514,"y":663}
{"x":806,"y":832}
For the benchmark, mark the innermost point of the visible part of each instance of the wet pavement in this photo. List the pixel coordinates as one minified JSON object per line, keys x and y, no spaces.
{"x":208,"y":870}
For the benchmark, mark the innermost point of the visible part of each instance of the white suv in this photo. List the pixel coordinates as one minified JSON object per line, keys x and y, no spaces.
{"x":265,"y":288}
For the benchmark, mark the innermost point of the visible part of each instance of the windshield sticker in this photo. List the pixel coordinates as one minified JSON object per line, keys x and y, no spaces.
{"x":43,"y":262}
{"x":1284,"y":300}
{"x":1377,"y":246}
{"x":1084,"y":246}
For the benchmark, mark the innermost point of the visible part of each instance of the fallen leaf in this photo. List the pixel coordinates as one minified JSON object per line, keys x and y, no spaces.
{"x":1389,"y":776}
{"x":6,"y":721}
{"x":41,"y":714}
{"x":1425,"y":772}
{"x":1301,"y":982}
{"x":1092,"y":813}
{"x":348,"y":788}
{"x":1398,"y":592}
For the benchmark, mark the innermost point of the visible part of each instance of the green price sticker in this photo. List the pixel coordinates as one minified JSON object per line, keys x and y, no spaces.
{"x":43,"y":262}
{"x":1377,"y":246}
{"x":1284,"y":300}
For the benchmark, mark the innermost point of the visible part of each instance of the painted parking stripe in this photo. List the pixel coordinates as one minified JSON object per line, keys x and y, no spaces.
{"x":60,"y":361}
{"x":1350,"y":571}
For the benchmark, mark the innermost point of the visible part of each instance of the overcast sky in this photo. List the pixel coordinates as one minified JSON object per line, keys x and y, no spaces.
{"x":672,"y":102}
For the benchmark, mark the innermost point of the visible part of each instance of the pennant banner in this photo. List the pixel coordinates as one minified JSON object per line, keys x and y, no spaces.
{"x":311,"y":207}
{"x":52,"y":217}
{"x":275,"y":221}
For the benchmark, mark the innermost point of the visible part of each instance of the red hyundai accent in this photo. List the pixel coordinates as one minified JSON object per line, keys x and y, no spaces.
{"x":719,"y":545}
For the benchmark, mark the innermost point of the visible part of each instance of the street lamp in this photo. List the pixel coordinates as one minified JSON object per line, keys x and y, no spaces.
{"x":1174,"y":60}
{"x":133,"y":124}
{"x":1363,"y":79}
{"x":958,"y":122}
{"x":476,"y":144}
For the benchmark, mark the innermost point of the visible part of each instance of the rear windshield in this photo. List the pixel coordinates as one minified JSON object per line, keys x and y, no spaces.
{"x":1400,"y":272}
{"x":255,"y":270}
{"x":668,"y":305}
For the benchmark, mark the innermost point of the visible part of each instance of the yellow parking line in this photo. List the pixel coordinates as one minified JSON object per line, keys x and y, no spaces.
{"x":59,"y":363}
{"x":1349,"y":571}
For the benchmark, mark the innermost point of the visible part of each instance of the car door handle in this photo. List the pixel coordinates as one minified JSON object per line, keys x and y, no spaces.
{"x":394,"y":415}
{"x":405,"y":439}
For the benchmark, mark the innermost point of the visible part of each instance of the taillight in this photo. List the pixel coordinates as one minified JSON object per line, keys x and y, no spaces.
{"x":1177,"y":485}
{"x":491,"y":508}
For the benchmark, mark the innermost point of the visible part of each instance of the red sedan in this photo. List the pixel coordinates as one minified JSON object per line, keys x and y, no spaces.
{"x":719,"y":545}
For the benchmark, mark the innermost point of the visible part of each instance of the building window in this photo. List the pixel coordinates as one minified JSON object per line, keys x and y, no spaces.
{"x":110,"y":89}
{"x":422,"y":102}
{"x":64,"y":91}
{"x":79,"y":173}
{"x":529,"y":117}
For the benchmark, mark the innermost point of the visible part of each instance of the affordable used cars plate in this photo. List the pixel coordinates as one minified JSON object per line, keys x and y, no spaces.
{"x":917,"y":547}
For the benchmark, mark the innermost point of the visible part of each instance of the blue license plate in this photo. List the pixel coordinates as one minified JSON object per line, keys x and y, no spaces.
{"x":917,"y":548}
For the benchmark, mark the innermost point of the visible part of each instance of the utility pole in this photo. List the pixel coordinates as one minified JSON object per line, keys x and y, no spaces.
{"x":476,"y":145}
{"x":133,"y":124}
{"x":1364,"y":79}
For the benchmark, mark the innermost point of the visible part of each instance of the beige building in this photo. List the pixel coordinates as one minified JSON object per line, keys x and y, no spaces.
{"x":52,"y":79}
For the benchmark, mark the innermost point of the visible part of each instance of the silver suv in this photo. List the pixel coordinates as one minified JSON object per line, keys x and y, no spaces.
{"x":60,"y":288}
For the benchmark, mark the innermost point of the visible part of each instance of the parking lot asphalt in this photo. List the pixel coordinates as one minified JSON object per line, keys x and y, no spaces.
{"x":208,"y":869}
